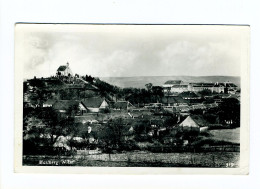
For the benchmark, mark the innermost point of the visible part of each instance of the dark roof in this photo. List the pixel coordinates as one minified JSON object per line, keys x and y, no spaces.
{"x":94,"y":102}
{"x":179,"y":86}
{"x":122,"y":105}
{"x":202,"y":84}
{"x":62,"y":68}
{"x":173,"y":99}
{"x":173,"y":82}
{"x":188,"y":94}
{"x":64,"y":104}
{"x":200,"y":120}
{"x":230,"y":85}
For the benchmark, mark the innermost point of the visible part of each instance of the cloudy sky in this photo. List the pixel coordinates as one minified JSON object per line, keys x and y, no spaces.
{"x":118,"y":51}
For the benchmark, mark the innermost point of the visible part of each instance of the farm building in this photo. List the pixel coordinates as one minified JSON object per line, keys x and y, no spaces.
{"x":64,"y":106}
{"x":189,"y":124}
{"x":174,"y":86}
{"x":95,"y":104}
{"x":122,"y":105}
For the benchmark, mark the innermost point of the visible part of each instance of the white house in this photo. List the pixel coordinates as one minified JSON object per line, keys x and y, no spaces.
{"x":189,"y":124}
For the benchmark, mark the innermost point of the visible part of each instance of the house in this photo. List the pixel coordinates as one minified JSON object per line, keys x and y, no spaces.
{"x":64,"y":106}
{"x":49,"y":103}
{"x":95,"y":104}
{"x":174,"y":86}
{"x":219,"y":87}
{"x":64,"y":70}
{"x":179,"y":88}
{"x":123,"y":105}
{"x":171,"y":83}
{"x":231,"y":87}
{"x":189,"y":124}
{"x":196,"y":87}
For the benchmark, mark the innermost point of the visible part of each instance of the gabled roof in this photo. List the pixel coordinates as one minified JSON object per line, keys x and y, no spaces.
{"x":62,"y":68}
{"x":188,"y":122}
{"x":176,"y":82}
{"x":64,"y":104}
{"x":230,"y":85}
{"x":180,"y":86}
{"x":93,"y":102}
{"x":122,"y":105}
{"x":202,"y":84}
{"x":200,"y":120}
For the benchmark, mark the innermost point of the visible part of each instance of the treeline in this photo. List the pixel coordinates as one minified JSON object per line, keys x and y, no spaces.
{"x":149,"y":94}
{"x":226,"y":114}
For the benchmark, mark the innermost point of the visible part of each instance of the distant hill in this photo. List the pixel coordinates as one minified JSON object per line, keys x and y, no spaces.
{"x":140,"y":81}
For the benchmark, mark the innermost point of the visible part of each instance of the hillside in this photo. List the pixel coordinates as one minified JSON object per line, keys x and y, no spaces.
{"x":139,"y":82}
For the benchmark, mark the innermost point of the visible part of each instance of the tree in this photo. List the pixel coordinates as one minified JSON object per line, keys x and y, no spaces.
{"x":157,"y":92}
{"x":170,"y":121}
{"x":141,"y":129}
{"x":168,"y":93}
{"x":149,"y":86}
{"x":56,"y":125}
{"x":53,"y":124}
{"x":229,"y":112}
{"x":73,"y":110}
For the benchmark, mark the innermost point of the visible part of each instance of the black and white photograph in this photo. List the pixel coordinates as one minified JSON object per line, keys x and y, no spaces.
{"x":140,"y":96}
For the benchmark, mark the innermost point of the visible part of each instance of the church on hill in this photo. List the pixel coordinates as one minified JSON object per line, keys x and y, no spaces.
{"x":64,"y":70}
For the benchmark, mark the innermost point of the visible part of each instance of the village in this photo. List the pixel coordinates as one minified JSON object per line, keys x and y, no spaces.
{"x":68,"y":114}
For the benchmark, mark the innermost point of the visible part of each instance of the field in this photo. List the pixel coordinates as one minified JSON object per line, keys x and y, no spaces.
{"x":140,"y":159}
{"x":230,"y":135}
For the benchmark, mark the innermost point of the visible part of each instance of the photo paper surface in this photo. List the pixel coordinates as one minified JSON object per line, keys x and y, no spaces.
{"x":132,"y":99}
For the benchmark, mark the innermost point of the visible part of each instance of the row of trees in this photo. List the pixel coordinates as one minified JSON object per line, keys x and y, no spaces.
{"x":134,"y":95}
{"x":227,"y":113}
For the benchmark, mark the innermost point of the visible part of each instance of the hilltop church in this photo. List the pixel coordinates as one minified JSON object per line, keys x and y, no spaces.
{"x":64,"y":70}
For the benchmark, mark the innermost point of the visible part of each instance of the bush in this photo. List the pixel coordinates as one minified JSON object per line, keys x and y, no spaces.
{"x":129,"y":146}
{"x":107,"y":110}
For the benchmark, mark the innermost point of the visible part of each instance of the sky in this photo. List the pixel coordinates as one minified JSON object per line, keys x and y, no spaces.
{"x":129,"y":50}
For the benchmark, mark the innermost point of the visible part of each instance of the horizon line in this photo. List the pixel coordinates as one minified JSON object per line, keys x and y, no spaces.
{"x":148,"y":76}
{"x":175,"y":76}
